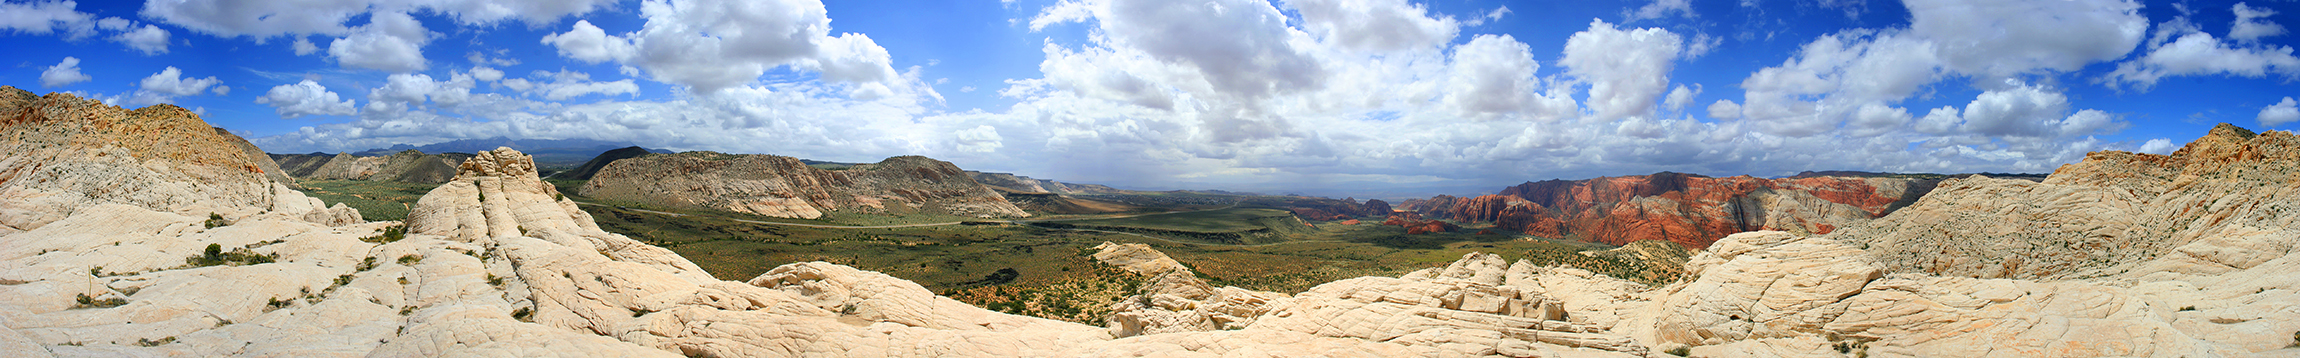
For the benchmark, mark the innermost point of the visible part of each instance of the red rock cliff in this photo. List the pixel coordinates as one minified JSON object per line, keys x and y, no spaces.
{"x":1687,"y":209}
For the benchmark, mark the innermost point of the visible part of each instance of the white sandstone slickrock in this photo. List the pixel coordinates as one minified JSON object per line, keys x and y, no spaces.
{"x":496,"y":263}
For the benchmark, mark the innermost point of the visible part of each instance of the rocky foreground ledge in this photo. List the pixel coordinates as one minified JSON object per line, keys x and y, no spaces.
{"x":497,"y":263}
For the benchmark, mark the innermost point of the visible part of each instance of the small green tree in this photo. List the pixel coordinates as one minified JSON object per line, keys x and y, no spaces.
{"x":215,"y":252}
{"x":215,"y":220}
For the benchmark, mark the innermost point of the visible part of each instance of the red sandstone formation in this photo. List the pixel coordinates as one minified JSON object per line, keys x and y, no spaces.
{"x":1690,"y":210}
{"x":1417,"y":226}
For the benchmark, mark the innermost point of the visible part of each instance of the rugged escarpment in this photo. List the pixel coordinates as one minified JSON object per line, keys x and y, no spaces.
{"x":496,"y":263}
{"x":60,"y":154}
{"x":2103,"y":216}
{"x":405,"y":166}
{"x":781,"y":186}
{"x":1690,"y":210}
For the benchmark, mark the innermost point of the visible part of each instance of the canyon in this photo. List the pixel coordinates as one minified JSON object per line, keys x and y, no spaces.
{"x":1687,"y":209}
{"x":179,"y":243}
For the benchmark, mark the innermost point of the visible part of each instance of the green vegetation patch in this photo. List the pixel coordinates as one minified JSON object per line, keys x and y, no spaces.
{"x":1049,"y":272}
{"x":1228,"y":226}
{"x":376,"y":200}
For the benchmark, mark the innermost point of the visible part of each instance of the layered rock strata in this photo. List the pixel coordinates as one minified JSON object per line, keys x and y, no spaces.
{"x":60,"y":154}
{"x":2100,"y":217}
{"x":781,"y":186}
{"x":1688,"y":209}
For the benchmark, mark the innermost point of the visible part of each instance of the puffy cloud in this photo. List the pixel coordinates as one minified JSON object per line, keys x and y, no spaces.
{"x":414,"y":88}
{"x":2251,"y":24}
{"x":983,"y":138}
{"x":1375,"y":25}
{"x":1627,"y":69}
{"x":115,"y":24}
{"x":711,"y":45}
{"x":2198,"y":53}
{"x":1681,"y":97}
{"x":1999,"y":39}
{"x":1659,"y":9}
{"x":1835,"y":75}
{"x":149,"y":40}
{"x":2280,"y":113}
{"x":485,"y":74}
{"x":391,"y":42}
{"x":1724,"y":109}
{"x":306,"y":98}
{"x":2158,"y":146}
{"x":303,"y":46}
{"x":1494,"y":76}
{"x":2021,"y":110}
{"x":589,"y":44}
{"x":63,"y":73}
{"x":565,"y":87}
{"x":171,"y":81}
{"x":45,"y":17}
{"x":266,"y":19}
{"x":1242,"y":48}
{"x":1875,"y":119}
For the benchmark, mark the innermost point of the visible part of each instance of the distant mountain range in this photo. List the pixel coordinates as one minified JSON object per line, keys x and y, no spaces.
{"x":547,"y":152}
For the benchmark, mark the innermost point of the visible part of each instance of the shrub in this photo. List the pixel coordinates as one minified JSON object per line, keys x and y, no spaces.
{"x":1680,"y":351}
{"x":147,"y":342}
{"x":237,"y":257}
{"x":215,"y":220}
{"x":410,"y":260}
{"x":390,"y":234}
{"x":92,"y":302}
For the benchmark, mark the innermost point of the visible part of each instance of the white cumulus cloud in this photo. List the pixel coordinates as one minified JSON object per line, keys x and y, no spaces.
{"x":391,"y":42}
{"x":2251,"y":24}
{"x":63,"y":73}
{"x":306,"y":98}
{"x":148,"y":39}
{"x":1627,"y":69}
{"x":2279,"y":113}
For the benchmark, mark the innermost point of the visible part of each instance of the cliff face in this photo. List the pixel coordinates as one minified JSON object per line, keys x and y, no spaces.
{"x":495,"y":263}
{"x":781,"y":186}
{"x":406,"y":166}
{"x":60,"y":153}
{"x":2098,"y":217}
{"x":1690,"y":210}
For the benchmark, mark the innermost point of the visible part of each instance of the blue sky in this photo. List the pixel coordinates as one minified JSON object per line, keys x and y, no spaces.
{"x":1371,"y":98}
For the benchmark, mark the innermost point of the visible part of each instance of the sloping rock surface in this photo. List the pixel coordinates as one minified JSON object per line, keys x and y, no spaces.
{"x":408,"y":166}
{"x":2106,"y":215}
{"x":60,"y":154}
{"x":781,"y":186}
